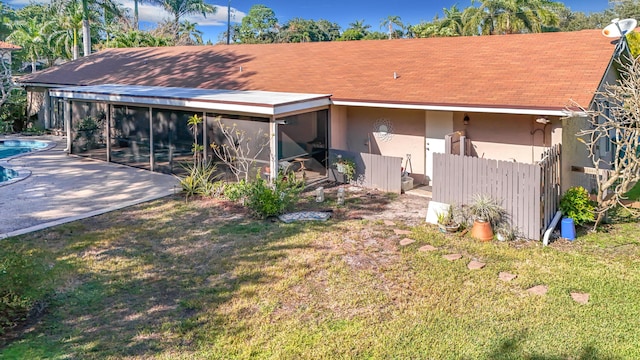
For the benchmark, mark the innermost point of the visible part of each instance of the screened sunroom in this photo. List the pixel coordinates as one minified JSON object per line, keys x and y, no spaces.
{"x":146,"y":127}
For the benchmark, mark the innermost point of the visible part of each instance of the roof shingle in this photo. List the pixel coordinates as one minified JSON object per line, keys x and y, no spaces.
{"x":535,"y":71}
{"x":8,"y":46}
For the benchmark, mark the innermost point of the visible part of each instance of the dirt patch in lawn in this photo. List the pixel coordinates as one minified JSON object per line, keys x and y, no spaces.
{"x":369,"y":204}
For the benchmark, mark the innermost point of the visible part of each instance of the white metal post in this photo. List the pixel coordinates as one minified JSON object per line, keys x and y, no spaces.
{"x":273,"y":144}
{"x":152,"y":162}
{"x":108,"y":132}
{"x":67,"y":123}
{"x":204,"y":136}
{"x":47,"y":109}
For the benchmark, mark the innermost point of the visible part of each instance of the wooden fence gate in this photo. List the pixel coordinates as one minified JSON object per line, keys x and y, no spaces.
{"x":372,"y":171}
{"x":528,"y":192}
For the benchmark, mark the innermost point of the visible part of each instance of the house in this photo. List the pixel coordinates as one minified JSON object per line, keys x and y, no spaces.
{"x":507,"y":94}
{"x":5,"y":51}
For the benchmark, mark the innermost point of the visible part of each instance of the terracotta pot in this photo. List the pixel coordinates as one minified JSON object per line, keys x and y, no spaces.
{"x":482,"y":231}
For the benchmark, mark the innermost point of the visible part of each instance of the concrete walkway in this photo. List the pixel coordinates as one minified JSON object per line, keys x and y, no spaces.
{"x":64,"y":188}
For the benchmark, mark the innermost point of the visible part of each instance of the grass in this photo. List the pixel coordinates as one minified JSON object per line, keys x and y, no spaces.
{"x":634,"y":193}
{"x":169,"y":280}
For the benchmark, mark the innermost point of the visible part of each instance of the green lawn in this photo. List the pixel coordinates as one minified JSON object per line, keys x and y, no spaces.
{"x":169,"y":280}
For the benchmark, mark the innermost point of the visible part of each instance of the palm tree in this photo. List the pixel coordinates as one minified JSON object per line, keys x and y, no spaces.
{"x":188,"y":34}
{"x":360,"y":27}
{"x":181,"y":8}
{"x":7,"y":17}
{"x":511,"y":16}
{"x":29,"y":35}
{"x":453,"y":20}
{"x":64,"y":31}
{"x":389,"y":21}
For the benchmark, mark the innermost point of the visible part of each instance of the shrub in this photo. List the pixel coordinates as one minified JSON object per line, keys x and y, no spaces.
{"x":575,"y":203}
{"x":25,"y":280}
{"x":201,"y":180}
{"x":237,"y":191}
{"x":12,"y":111}
{"x":264,"y":199}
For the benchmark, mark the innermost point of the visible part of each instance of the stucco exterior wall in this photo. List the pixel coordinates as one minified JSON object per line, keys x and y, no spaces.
{"x":36,"y":105}
{"x":407,"y":136}
{"x":338,"y":127}
{"x":508,"y":137}
{"x":574,"y":153}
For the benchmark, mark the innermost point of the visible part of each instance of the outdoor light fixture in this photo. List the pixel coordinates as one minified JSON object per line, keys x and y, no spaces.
{"x":466,"y":119}
{"x":543,"y":120}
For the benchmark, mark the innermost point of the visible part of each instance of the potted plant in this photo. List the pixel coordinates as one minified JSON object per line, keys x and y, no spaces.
{"x":486,"y":213}
{"x":347,"y":167}
{"x":505,"y":232}
{"x":447,"y":222}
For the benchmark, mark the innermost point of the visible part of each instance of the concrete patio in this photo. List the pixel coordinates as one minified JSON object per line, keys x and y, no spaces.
{"x":63,"y":188}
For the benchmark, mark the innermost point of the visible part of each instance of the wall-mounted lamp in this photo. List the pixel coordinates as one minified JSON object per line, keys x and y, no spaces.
{"x":466,"y":119}
{"x":543,"y":120}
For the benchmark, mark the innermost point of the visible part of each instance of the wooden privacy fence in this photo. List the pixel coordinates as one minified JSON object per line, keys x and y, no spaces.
{"x":372,"y":171}
{"x":457,"y":143}
{"x":528,"y":192}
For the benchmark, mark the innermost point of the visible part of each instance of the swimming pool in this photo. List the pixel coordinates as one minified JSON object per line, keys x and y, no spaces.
{"x":7,"y":174}
{"x":14,"y":147}
{"x":9,"y":148}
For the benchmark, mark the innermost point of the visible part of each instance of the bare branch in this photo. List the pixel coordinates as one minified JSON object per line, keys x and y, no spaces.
{"x":614,"y":123}
{"x":236,"y":149}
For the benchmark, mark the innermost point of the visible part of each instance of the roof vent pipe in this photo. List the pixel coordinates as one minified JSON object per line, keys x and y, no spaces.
{"x":395,"y":75}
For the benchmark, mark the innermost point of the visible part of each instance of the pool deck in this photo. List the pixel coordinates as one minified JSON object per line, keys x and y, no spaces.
{"x":63,"y":188}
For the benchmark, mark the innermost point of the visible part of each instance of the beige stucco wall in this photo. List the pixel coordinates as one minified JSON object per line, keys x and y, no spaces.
{"x":574,"y":153}
{"x":408,"y":135}
{"x":508,"y":137}
{"x":421,"y":133}
{"x":338,"y":127}
{"x":36,"y":104}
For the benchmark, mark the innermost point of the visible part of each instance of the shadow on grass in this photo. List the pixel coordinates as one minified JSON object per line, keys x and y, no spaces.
{"x":512,"y":349}
{"x":148,"y":281}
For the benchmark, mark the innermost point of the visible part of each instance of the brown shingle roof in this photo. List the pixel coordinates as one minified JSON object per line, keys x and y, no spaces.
{"x":537,"y":71}
{"x":7,"y":46}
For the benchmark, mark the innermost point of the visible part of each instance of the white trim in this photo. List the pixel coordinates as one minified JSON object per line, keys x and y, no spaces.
{"x":253,"y":102}
{"x":477,"y":109}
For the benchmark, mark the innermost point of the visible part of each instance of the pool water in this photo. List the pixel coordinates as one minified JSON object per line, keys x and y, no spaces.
{"x":10,"y":148}
{"x":7,"y":174}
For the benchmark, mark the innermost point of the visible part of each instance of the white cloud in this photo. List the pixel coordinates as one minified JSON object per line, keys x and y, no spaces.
{"x":21,"y":3}
{"x":155,"y":13}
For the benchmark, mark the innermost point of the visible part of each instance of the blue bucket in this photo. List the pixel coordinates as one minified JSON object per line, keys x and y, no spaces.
{"x":568,"y":229}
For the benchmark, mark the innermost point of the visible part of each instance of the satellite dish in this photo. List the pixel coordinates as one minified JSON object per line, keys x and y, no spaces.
{"x":617,"y":28}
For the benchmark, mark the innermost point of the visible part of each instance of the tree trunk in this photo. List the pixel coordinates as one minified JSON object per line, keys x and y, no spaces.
{"x":33,"y":65}
{"x":135,"y":14}
{"x":86,"y":37}
{"x":75,"y":50}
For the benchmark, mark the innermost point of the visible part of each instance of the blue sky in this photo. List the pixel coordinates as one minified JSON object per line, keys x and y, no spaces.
{"x":342,"y":12}
{"x":372,"y":12}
